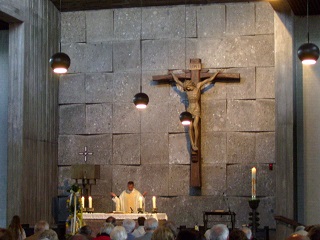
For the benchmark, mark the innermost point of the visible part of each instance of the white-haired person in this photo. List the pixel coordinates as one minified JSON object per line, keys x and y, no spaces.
{"x":105,"y":232}
{"x":129,"y":225}
{"x":247,"y":231}
{"x":219,"y":232}
{"x":39,"y":227}
{"x":150,"y":225}
{"x":48,"y":235}
{"x":118,"y":233}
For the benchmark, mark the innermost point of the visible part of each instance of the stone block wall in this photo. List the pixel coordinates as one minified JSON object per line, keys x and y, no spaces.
{"x":112,"y":51}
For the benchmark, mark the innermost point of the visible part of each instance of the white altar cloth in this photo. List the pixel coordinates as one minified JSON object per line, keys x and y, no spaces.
{"x":92,"y":216}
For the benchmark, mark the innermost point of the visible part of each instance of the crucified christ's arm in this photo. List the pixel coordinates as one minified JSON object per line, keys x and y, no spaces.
{"x":177,"y":80}
{"x":208,"y":80}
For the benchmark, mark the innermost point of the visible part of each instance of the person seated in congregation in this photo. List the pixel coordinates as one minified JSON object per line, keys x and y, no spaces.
{"x":77,"y":237}
{"x":128,"y":200}
{"x":118,"y":233}
{"x":86,"y":231}
{"x":162,"y":233}
{"x":172,"y":226}
{"x":105,"y":232}
{"x":139,"y":231}
{"x":129,"y":226}
{"x":314,"y":232}
{"x":247,"y":231}
{"x":48,"y":235}
{"x":187,"y":234}
{"x":16,"y":229}
{"x":296,"y":236}
{"x":219,"y":232}
{"x":150,"y":225}
{"x":111,"y":220}
{"x":5,"y":234}
{"x":237,"y":234}
{"x":39,"y":227}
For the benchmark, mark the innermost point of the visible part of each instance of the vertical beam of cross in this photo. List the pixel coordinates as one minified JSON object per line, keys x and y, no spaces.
{"x":85,"y":153}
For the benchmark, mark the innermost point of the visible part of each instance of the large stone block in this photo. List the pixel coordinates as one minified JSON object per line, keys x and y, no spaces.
{"x":241,"y":147}
{"x":265,"y":115}
{"x":174,"y":124}
{"x":98,"y":57}
{"x":211,"y":21}
{"x":71,"y":88}
{"x":154,"y":148}
{"x":126,"y":149}
{"x":126,"y":118}
{"x":241,"y":115}
{"x":73,"y":27}
{"x":240,"y":19}
{"x":264,"y":18}
{"x":71,"y":146}
{"x":265,"y":83}
{"x":163,"y":54}
{"x":64,"y":180}
{"x":126,"y":85}
{"x":214,"y":116}
{"x":76,"y":52}
{"x":213,"y":179}
{"x":99,"y":25}
{"x":72,"y":119}
{"x":239,"y":180}
{"x":179,"y":148}
{"x":99,"y":118}
{"x":127,"y":23}
{"x":214,"y":147}
{"x":191,"y":21}
{"x":265,"y":147}
{"x":217,"y":90}
{"x":99,"y":88}
{"x":246,"y":88}
{"x":155,"y":179}
{"x":121,"y":175}
{"x":102,"y":203}
{"x":179,"y":178}
{"x":163,"y":22}
{"x":126,"y":55}
{"x":103,"y":185}
{"x":155,"y":118}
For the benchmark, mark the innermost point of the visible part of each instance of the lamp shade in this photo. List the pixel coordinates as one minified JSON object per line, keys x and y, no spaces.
{"x":308,"y":53}
{"x":141,"y":100}
{"x":60,"y":62}
{"x":186,"y":118}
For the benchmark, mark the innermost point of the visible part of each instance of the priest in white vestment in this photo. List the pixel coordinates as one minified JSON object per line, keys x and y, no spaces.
{"x":129,"y":200}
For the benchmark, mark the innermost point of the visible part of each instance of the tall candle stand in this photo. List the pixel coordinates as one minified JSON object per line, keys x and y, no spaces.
{"x":254,"y":204}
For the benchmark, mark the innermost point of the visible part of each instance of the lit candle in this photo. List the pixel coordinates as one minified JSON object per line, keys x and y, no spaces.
{"x":254,"y":182}
{"x":140,"y":202}
{"x":82,"y":202}
{"x":154,"y":205}
{"x":90,"y":202}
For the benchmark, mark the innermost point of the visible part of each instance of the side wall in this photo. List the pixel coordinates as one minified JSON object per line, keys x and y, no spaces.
{"x":150,"y":147}
{"x":33,"y":127}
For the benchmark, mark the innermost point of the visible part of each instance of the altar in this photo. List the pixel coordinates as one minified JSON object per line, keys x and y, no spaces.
{"x":96,"y":220}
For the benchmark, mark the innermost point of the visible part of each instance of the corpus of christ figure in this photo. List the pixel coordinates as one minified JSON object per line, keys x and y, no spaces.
{"x":194,"y":92}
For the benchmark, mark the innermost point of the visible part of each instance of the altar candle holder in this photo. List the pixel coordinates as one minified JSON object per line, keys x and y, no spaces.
{"x":90,"y":210}
{"x":140,"y":210}
{"x":84,"y":209}
{"x":254,"y":204}
{"x":154,"y":210}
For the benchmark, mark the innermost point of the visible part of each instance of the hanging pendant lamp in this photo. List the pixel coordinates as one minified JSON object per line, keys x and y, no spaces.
{"x":60,"y":62}
{"x":185,"y":118}
{"x":308,"y":53}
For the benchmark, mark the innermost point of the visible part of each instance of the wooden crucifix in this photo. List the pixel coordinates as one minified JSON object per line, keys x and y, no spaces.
{"x":192,"y":81}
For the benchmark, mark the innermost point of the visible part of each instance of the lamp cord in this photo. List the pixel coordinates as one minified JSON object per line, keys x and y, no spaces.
{"x":60,"y":29}
{"x":308,"y":19}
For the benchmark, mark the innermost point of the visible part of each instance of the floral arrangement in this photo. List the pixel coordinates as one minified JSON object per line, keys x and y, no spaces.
{"x":75,"y":220}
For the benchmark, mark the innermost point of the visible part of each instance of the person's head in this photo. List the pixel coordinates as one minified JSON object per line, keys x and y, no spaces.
{"x":85,"y":230}
{"x":150,"y":224}
{"x":5,"y":234}
{"x":15,"y":222}
{"x":301,"y":230}
{"x":237,"y":234}
{"x":118,"y":233}
{"x":207,"y":234}
{"x":107,"y":228}
{"x":247,"y":231}
{"x":77,"y":237}
{"x":130,"y":186}
{"x":189,"y":85}
{"x":141,"y":221}
{"x":41,"y":226}
{"x":162,"y":233}
{"x":188,"y":235}
{"x":111,"y":220}
{"x":296,"y":236}
{"x":48,"y":235}
{"x":314,"y":233}
{"x":172,"y":226}
{"x":219,"y":232}
{"x":129,"y":225}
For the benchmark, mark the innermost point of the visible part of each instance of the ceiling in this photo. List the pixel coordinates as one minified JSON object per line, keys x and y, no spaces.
{"x":299,"y":7}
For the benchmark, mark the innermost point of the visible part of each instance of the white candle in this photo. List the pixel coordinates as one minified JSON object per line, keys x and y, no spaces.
{"x":254,"y":182}
{"x":90,"y":202}
{"x":154,"y":205}
{"x":82,"y":202}
{"x":140,"y":202}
